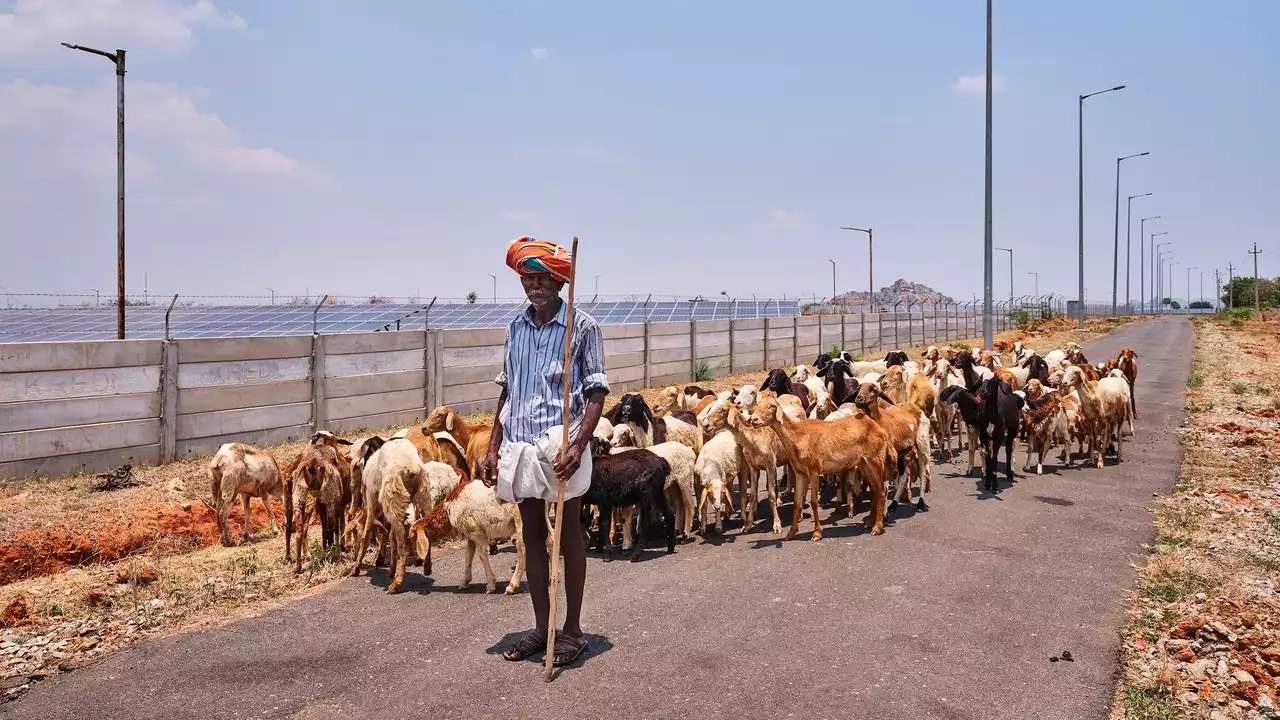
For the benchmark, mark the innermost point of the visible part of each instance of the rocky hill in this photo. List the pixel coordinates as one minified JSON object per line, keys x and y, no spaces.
{"x":901,"y":289}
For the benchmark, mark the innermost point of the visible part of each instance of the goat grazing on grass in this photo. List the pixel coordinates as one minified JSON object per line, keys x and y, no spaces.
{"x":239,"y":469}
{"x":630,"y":478}
{"x":394,"y":477}
{"x":817,"y":447}
{"x":995,"y":411}
{"x":317,"y":479}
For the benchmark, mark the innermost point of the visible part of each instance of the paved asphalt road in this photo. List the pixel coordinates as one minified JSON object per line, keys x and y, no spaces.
{"x":950,"y":614}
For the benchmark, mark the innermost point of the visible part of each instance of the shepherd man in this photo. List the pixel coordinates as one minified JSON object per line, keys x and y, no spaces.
{"x":524,"y":455}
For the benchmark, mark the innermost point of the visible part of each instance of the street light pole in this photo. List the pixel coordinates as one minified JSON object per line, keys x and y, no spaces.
{"x":273,"y":295}
{"x":1115,"y":242}
{"x":871,"y":286}
{"x":833,"y":279}
{"x":1080,"y":178}
{"x":1037,"y":282}
{"x":1193,"y":267}
{"x":1142,"y":230}
{"x":116,"y":57}
{"x":1010,"y":251}
{"x":988,"y":330}
{"x":1170,"y":285}
{"x":1142,"y":258}
{"x":495,"y":287}
{"x":1155,"y":274}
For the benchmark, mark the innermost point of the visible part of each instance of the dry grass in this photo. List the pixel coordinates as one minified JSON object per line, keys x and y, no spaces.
{"x":63,"y":545}
{"x":1216,"y":558}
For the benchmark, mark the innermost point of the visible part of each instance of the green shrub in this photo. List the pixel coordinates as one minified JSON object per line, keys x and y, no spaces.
{"x":1196,"y":380}
{"x":961,"y":345}
{"x":702,"y":371}
{"x":1239,"y":387}
{"x":1020,"y":317}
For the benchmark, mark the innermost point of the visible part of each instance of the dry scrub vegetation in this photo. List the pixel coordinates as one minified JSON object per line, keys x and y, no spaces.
{"x":1204,"y":635}
{"x":83,"y":573}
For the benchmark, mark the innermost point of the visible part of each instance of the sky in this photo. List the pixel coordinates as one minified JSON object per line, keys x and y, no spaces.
{"x":395,"y":148}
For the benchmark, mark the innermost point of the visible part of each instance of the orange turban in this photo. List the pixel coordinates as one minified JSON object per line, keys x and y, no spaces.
{"x":528,"y":256}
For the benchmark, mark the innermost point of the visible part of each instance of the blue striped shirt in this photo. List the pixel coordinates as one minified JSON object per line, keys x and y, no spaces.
{"x":533,"y":373}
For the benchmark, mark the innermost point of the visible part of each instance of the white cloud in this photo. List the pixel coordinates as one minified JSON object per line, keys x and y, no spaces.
{"x":539,"y":53}
{"x":781,"y":220}
{"x":34,"y":28}
{"x":977,"y":84}
{"x":76,"y":126}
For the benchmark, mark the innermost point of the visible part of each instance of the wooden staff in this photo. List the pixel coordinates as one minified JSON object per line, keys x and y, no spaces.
{"x":567,"y":378}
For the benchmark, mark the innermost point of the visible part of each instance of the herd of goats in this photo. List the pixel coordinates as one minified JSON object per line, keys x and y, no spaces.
{"x":851,"y":426}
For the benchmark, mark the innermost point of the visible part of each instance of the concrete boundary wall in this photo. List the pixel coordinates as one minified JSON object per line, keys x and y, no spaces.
{"x":68,"y":407}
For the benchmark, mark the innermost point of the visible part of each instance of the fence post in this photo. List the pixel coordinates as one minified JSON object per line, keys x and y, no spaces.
{"x":795,"y":340}
{"x":169,"y":401}
{"x":319,"y":418}
{"x":648,"y":366}
{"x":765,"y":365}
{"x":844,"y":335}
{"x":732,"y":323}
{"x":822,"y":347}
{"x":428,"y":367}
{"x":693,"y":350}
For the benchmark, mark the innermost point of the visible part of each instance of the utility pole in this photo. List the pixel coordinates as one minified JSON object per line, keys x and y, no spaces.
{"x":833,"y":280}
{"x":871,"y":286}
{"x":1231,"y":291}
{"x":1255,"y":252}
{"x":495,"y":287}
{"x":1217,"y":298}
{"x":988,"y":332}
{"x":117,"y":58}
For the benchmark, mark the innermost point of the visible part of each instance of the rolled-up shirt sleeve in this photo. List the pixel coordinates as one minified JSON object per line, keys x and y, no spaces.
{"x":591,"y":360}
{"x":501,"y":380}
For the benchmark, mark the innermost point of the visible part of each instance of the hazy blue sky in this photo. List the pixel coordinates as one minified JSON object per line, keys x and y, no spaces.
{"x":395,"y":148}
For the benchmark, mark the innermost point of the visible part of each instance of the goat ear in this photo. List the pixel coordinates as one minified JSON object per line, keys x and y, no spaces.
{"x":448,"y":422}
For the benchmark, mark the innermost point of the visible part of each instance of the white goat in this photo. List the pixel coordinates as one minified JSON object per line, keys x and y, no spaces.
{"x":715,"y":470}
{"x":245,"y":470}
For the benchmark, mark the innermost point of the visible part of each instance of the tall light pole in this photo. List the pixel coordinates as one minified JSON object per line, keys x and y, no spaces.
{"x":597,"y":287}
{"x":273,"y":295}
{"x":97,"y":297}
{"x":1171,"y":265}
{"x":1115,"y":242}
{"x":833,"y":279}
{"x":495,"y":287}
{"x":988,"y":330}
{"x":1142,"y":232}
{"x":1080,"y":178}
{"x":1201,"y":296}
{"x":1193,"y":267}
{"x":116,"y":57}
{"x":1155,"y":274}
{"x":1010,"y":251}
{"x":1037,"y":282}
{"x":1128,"y":231}
{"x":871,"y":286}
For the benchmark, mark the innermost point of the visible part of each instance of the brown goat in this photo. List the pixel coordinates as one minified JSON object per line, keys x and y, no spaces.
{"x":815,"y":447}
{"x":902,"y":423}
{"x":1128,"y":364}
{"x":318,"y":479}
{"x":475,"y":438}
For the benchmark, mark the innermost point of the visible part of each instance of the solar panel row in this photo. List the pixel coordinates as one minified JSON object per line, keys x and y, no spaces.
{"x":46,"y":324}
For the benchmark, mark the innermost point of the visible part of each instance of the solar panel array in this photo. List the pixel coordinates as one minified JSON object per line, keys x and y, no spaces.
{"x":92,"y":323}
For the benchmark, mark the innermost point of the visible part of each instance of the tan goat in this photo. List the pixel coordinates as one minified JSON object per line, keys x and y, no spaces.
{"x":815,"y":447}
{"x":908,"y":431}
{"x":475,"y":438}
{"x":249,"y":472}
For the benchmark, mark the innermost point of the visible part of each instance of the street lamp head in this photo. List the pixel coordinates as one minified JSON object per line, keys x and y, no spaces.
{"x":69,"y":45}
{"x":1138,"y":196}
{"x":1119,"y":87}
{"x":1153,"y":217}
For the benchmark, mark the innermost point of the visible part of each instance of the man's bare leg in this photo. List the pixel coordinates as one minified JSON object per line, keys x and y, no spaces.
{"x":533,"y":519}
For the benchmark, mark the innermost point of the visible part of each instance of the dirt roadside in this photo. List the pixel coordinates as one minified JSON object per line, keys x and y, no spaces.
{"x":1204,"y":635}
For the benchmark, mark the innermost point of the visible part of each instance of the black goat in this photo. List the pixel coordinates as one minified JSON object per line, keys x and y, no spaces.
{"x":636,"y":477}
{"x":778,"y":382}
{"x":996,"y":413}
{"x":1037,"y":369}
{"x":821,"y":361}
{"x":964,"y":363}
{"x":895,"y":357}
{"x":634,"y":410}
{"x":839,"y":381}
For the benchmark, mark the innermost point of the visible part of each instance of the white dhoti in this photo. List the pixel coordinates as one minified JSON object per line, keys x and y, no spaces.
{"x":527,"y":470}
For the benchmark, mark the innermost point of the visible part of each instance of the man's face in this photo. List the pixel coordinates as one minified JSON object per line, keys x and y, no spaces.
{"x":541,"y":289}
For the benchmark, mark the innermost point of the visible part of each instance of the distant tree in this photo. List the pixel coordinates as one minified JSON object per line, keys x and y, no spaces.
{"x":1175,"y":305}
{"x":1200,"y":305}
{"x":1167,"y":301}
{"x":471,"y":297}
